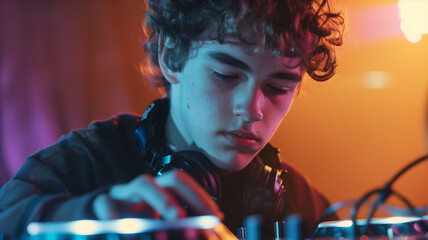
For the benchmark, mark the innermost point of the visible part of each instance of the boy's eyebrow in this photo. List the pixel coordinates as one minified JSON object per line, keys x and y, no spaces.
{"x":234,"y":62}
{"x":287,"y":76}
{"x":229,"y":60}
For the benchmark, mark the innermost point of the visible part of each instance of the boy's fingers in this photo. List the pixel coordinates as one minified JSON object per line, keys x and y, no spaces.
{"x":145,"y":189}
{"x":187,"y":189}
{"x":104,"y":207}
{"x":160,"y":194}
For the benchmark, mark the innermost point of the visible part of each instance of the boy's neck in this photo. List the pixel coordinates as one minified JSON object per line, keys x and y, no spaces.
{"x":174,"y":139}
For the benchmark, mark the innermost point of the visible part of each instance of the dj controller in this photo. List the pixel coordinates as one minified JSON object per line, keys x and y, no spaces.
{"x":200,"y":227}
{"x":210,"y":227}
{"x":380,"y":228}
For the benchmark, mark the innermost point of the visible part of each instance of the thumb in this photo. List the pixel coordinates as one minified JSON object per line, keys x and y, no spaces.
{"x":104,"y":207}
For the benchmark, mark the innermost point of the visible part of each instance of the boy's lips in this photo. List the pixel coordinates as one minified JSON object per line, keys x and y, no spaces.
{"x":243,"y":139}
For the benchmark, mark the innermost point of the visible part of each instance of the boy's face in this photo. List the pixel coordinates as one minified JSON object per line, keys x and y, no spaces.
{"x":228,"y":100}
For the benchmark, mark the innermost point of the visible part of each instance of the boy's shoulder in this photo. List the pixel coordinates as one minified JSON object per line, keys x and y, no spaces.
{"x":117,"y":127}
{"x":102,"y":153}
{"x":102,"y":141}
{"x":115,"y":133}
{"x":121,"y":121}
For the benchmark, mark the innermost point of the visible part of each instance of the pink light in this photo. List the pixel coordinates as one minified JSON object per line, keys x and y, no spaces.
{"x":375,"y":23}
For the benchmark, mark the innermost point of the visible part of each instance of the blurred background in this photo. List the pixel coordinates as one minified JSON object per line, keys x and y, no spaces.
{"x":64,"y":64}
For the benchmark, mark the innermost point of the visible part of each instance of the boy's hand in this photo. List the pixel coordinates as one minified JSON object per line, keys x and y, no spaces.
{"x":146,"y":193}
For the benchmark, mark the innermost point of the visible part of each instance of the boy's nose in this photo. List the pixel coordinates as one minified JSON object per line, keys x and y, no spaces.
{"x":248,"y":105}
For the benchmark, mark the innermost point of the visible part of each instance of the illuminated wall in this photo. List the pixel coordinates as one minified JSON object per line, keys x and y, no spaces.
{"x":351,"y":134}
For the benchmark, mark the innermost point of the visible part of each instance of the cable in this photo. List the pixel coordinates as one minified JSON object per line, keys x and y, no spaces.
{"x":405,"y":169}
{"x":357,"y":206}
{"x":384,"y":193}
{"x":387,"y":208}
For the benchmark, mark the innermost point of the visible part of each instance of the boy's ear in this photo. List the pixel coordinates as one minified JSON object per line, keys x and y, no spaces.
{"x":168,"y":73}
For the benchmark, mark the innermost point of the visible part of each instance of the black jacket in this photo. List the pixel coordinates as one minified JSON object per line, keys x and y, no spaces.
{"x":60,"y":182}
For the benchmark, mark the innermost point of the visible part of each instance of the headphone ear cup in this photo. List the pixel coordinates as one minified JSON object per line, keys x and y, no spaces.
{"x":279,"y":195}
{"x":195,"y":164}
{"x":150,"y":146}
{"x":254,"y":192}
{"x":265,"y":193}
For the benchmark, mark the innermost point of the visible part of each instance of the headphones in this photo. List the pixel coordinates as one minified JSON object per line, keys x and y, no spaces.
{"x":264,"y":191}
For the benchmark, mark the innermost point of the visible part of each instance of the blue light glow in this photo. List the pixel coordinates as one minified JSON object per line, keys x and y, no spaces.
{"x":121,"y":226}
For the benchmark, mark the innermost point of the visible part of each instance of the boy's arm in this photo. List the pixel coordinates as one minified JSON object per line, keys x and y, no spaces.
{"x":59,"y":182}
{"x":42,"y":191}
{"x":17,"y":213}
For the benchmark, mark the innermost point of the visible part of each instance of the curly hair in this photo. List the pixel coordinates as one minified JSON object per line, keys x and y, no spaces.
{"x":294,"y":28}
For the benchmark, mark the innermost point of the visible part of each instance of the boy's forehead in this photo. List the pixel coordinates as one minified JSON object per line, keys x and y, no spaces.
{"x":210,"y":37}
{"x":229,"y":43}
{"x":232,"y":45}
{"x":237,"y":53}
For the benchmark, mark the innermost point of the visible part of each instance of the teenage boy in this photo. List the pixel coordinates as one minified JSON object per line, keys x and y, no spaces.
{"x":230,"y":71}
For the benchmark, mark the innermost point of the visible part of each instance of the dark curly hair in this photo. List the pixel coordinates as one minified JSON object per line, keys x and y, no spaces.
{"x":293,"y":28}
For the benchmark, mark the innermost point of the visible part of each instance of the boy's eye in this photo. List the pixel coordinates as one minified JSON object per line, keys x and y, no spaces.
{"x":224,"y":77}
{"x":278,"y":89}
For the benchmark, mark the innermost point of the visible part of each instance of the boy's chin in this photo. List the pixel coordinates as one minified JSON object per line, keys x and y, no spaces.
{"x":237,"y":163}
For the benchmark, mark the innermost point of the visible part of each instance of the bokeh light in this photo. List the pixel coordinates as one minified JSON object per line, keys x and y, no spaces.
{"x":414,"y":18}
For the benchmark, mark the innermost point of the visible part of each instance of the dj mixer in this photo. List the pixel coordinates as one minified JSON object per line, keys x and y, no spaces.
{"x":210,"y":227}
